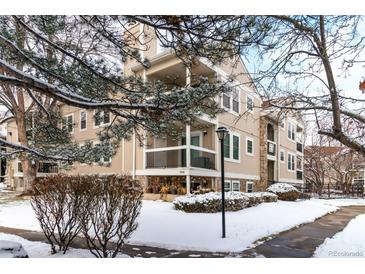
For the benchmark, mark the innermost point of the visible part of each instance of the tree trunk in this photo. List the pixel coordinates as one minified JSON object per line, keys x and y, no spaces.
{"x":29,"y":169}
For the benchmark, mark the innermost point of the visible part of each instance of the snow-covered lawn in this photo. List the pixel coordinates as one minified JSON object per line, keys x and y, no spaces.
{"x":161,"y":225}
{"x":348,"y":243}
{"x":42,"y":250}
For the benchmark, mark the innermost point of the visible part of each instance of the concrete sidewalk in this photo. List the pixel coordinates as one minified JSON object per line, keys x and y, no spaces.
{"x":299,"y":242}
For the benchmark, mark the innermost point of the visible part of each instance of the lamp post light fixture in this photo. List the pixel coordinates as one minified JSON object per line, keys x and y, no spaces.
{"x":221,"y":133}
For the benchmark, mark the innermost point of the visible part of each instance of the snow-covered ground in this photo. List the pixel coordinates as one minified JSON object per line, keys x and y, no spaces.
{"x":42,"y":250}
{"x":348,"y":243}
{"x":161,"y":225}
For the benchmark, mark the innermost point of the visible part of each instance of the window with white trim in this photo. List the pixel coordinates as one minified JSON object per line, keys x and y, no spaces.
{"x":249,"y":187}
{"x":227,"y":185}
{"x":232,"y":146}
{"x":249,"y":103}
{"x":83,"y":120}
{"x":235,"y":100}
{"x":67,"y":123}
{"x":236,"y":186}
{"x":235,"y":147}
{"x":291,"y":131}
{"x":249,"y":146}
{"x":291,"y":161}
{"x":232,"y":185}
{"x":299,"y":163}
{"x":226,"y":100}
{"x":104,"y":160}
{"x":231,"y":100}
{"x":166,"y":38}
{"x":282,"y":155}
{"x":227,"y":146}
{"x":101,"y":118}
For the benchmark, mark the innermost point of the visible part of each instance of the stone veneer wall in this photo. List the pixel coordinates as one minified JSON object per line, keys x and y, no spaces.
{"x":263,"y":153}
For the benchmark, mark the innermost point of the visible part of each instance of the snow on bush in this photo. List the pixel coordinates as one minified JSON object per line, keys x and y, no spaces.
{"x":285,"y":192}
{"x":10,"y":249}
{"x":211,"y":202}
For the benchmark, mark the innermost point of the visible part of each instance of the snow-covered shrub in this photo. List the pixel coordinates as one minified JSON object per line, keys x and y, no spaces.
{"x":211,"y":202}
{"x":56,"y":201}
{"x":305,"y":196}
{"x":110,"y":208}
{"x":10,"y":249}
{"x":285,"y":192}
{"x":261,"y":197}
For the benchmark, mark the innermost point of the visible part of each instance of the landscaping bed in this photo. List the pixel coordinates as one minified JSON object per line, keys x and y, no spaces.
{"x":211,"y":202}
{"x":285,"y":192}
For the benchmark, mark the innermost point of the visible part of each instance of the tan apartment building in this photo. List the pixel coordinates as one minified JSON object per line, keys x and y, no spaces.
{"x":334,"y":168}
{"x":259,"y":148}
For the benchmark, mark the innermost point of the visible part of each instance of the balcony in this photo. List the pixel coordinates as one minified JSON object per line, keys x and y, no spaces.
{"x":172,"y":157}
{"x":271,"y":148}
{"x":175,"y":157}
{"x":300,"y":147}
{"x":192,"y":147}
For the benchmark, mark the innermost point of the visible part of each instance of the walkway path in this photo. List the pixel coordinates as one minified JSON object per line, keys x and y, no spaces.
{"x":299,"y":242}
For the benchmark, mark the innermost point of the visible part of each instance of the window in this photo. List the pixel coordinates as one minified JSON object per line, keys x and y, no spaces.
{"x":83,"y":120}
{"x":165,"y":37}
{"x":291,"y":131}
{"x":67,"y":123}
{"x":249,"y":187}
{"x":232,"y":146}
{"x":282,"y":156}
{"x":235,"y":101}
{"x":249,"y":103}
{"x":236,"y":186}
{"x":359,"y":177}
{"x":291,"y":162}
{"x":43,"y":167}
{"x":249,"y":146}
{"x":299,"y":163}
{"x":236,"y":147}
{"x":227,"y":185}
{"x":226,"y":100}
{"x":231,"y":100}
{"x":227,"y":146}
{"x":102,"y":159}
{"x":101,"y":118}
{"x":233,"y":185}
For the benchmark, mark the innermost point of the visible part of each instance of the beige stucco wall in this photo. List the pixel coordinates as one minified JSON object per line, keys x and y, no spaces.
{"x":247,"y":124}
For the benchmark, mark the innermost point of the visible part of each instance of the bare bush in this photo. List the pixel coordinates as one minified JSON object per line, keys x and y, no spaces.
{"x":109,"y":213}
{"x":56,"y":201}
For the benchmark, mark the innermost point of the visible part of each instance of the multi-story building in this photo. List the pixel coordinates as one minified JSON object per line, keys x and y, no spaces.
{"x":259,"y":149}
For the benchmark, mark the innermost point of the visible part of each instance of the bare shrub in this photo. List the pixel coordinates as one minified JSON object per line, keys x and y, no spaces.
{"x":109,"y":213}
{"x":57,"y":201}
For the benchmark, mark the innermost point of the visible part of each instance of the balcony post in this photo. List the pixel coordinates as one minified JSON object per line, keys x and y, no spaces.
{"x":188,"y":154}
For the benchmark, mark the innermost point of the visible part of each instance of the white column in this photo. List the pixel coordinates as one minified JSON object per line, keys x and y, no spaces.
{"x":217,"y":149}
{"x":188,"y":139}
{"x":188,"y":183}
{"x":134,"y":156}
{"x":188,"y":160}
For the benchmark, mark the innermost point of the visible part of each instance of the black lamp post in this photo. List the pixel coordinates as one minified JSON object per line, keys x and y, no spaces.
{"x":221,"y":133}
